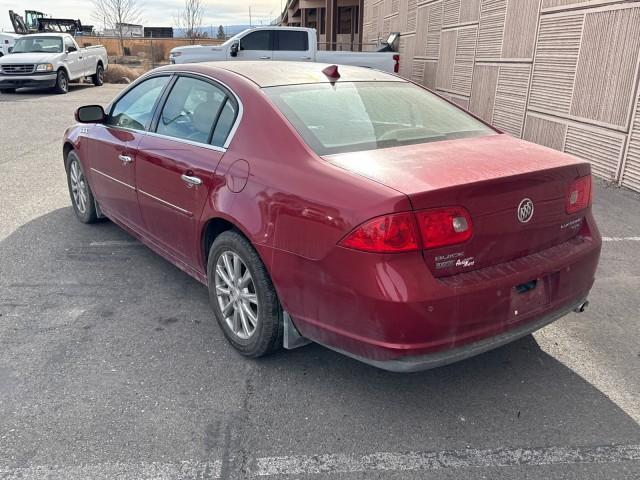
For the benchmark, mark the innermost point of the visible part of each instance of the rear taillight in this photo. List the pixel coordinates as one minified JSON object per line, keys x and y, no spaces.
{"x":396,"y":66}
{"x":387,"y":234}
{"x":407,"y":232}
{"x":579,"y":195}
{"x":444,"y":226}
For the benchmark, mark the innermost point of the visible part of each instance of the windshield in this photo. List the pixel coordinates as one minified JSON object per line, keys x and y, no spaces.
{"x":357,"y":116}
{"x":234,"y":38}
{"x":31,"y":44}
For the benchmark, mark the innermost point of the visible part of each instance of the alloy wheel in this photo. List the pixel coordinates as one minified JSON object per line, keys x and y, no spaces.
{"x":78,"y":186}
{"x":236,"y":295}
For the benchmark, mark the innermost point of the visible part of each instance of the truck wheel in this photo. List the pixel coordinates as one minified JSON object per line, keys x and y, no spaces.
{"x":98,"y":78}
{"x":7,"y":90}
{"x":62,"y":82}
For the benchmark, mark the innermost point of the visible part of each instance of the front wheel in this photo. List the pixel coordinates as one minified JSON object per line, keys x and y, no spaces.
{"x":62,"y":82}
{"x":79,"y":190}
{"x":7,"y":90}
{"x":98,"y":77}
{"x":242,"y":296}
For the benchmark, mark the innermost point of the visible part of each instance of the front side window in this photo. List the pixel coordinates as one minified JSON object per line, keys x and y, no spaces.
{"x":293,"y":41}
{"x":191,"y":110}
{"x":68,"y":43}
{"x":258,"y":40}
{"x":135,"y":109}
{"x":34,"y":44}
{"x":358,"y":116}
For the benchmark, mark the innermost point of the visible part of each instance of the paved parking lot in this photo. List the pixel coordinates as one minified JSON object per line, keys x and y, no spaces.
{"x":112,"y":366}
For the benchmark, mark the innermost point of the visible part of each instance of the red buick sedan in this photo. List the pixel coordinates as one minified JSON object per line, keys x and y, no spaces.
{"x":339,"y":205}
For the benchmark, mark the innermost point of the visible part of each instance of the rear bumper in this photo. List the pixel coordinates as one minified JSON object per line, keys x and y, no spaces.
{"x":391,"y":312}
{"x":24,"y":81}
{"x":439,"y":359}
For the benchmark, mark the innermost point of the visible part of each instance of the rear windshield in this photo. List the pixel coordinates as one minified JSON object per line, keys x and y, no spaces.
{"x":357,"y":116}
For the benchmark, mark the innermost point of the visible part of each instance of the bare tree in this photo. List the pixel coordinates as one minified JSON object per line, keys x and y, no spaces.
{"x":116,"y":14}
{"x":191,"y":19}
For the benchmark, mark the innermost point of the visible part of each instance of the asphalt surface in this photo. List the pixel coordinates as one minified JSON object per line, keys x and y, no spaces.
{"x":111,"y":365}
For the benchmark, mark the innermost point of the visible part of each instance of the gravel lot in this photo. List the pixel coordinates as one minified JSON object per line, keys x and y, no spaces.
{"x":111,"y":365}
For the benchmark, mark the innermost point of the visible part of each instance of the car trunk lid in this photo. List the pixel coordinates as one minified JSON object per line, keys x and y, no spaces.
{"x":490,"y":176}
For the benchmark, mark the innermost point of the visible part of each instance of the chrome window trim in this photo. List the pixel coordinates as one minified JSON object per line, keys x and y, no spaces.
{"x":164,"y":202}
{"x":114,"y":179}
{"x":170,"y":73}
{"x":185,"y":141}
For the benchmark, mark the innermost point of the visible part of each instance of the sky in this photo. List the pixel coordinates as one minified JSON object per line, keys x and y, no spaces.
{"x":157,"y":13}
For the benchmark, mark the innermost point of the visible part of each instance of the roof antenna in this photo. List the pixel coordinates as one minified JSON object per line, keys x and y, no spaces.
{"x":332,"y":73}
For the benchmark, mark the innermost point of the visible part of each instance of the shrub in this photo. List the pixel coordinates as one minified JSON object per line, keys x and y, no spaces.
{"x":120,"y":74}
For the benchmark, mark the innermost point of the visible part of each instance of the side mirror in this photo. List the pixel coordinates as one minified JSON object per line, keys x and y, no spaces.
{"x":71,"y":48}
{"x":235,"y":47}
{"x":10,"y":50}
{"x":91,"y":114}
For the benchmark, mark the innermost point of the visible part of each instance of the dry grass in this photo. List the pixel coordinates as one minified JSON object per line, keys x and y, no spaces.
{"x":118,"y":73}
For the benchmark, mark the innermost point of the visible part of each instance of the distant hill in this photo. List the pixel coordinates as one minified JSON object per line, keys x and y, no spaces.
{"x":212,"y":30}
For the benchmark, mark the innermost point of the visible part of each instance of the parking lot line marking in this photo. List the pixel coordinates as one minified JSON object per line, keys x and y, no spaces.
{"x":335,"y":463}
{"x":188,"y":470}
{"x":621,"y":239}
{"x":116,"y":243}
{"x":450,"y":459}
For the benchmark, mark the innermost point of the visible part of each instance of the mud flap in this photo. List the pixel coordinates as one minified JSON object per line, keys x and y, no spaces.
{"x":292,"y":338}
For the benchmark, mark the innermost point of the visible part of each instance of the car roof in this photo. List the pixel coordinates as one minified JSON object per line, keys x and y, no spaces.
{"x":274,"y":73}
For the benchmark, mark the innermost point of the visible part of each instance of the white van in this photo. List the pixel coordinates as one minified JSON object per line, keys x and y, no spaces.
{"x":6,"y":42}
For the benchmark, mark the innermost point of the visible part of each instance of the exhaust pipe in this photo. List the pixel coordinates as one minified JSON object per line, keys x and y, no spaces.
{"x":581,"y":307}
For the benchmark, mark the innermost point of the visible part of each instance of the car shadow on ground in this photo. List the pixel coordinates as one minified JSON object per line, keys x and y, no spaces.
{"x":84,"y":295}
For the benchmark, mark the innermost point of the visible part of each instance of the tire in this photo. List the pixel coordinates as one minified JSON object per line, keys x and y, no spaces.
{"x":7,"y":90}
{"x":251,"y":339}
{"x":81,"y":196}
{"x":62,"y":82}
{"x":98,"y":77}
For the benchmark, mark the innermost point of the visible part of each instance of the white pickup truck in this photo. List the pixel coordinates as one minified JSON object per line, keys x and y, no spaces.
{"x":50,"y":60}
{"x":284,"y":44}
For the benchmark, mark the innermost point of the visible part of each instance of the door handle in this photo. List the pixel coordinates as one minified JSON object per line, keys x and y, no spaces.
{"x":265,"y":58}
{"x":305,"y":58}
{"x":125,"y":159}
{"x":189,"y":180}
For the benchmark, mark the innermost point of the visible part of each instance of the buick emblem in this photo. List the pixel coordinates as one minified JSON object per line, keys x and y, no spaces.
{"x":525,"y":210}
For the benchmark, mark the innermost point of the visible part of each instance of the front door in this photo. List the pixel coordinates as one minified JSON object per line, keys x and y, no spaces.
{"x":176,"y":162}
{"x":257,"y":45}
{"x":112,"y":151}
{"x":73,"y":59}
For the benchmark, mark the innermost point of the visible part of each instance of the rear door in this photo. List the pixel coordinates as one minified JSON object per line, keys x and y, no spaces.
{"x":176,"y":162}
{"x":257,"y":45}
{"x":112,"y":150}
{"x":291,"y":45}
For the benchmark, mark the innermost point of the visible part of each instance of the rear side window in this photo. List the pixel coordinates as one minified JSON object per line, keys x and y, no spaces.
{"x":225,"y":123}
{"x":258,"y":40}
{"x":291,"y":40}
{"x":358,"y":116}
{"x":135,"y":109}
{"x":191,"y":110}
